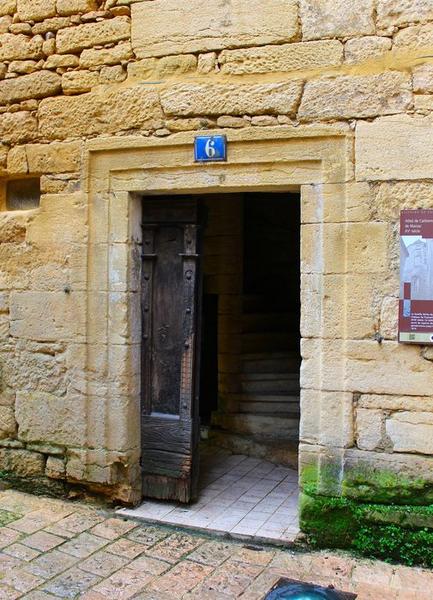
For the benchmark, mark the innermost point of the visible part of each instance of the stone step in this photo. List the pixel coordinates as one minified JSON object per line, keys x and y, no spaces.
{"x":268,"y":322}
{"x":282,"y":451}
{"x":271,"y":426}
{"x":269,"y":342}
{"x":276,"y":385}
{"x":283,"y":407}
{"x":271,"y":362}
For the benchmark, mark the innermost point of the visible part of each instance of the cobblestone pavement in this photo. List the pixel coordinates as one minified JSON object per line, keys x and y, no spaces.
{"x":54,"y":549}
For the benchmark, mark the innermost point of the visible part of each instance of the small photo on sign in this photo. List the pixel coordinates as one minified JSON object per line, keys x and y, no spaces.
{"x":210,"y":148}
{"x":416,"y":277}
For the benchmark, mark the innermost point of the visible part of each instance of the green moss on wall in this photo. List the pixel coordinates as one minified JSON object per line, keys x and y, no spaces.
{"x":388,"y":532}
{"x":373,"y":485}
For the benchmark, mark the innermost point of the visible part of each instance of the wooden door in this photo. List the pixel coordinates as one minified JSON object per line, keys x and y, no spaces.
{"x":170,"y":310}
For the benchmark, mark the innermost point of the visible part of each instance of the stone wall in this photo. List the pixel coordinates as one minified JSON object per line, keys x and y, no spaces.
{"x":74,"y":70}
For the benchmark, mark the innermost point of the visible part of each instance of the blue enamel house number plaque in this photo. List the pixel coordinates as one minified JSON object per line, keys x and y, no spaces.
{"x":210,"y":148}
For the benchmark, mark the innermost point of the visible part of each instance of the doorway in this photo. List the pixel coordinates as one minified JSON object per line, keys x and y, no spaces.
{"x":230,"y":272}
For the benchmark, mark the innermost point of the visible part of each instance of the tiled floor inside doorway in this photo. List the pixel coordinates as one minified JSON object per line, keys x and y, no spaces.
{"x":243,"y":496}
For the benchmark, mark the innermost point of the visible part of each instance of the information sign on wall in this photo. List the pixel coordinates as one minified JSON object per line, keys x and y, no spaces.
{"x":416,"y":277}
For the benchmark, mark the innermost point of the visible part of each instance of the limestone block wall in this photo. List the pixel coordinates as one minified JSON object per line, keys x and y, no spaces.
{"x":75,"y":70}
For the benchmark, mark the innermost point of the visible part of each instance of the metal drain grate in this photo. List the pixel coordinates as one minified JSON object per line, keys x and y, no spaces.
{"x":289,"y":589}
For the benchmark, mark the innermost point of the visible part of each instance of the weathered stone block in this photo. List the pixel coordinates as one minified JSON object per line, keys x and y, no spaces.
{"x":55,"y":468}
{"x":342,"y":248}
{"x":379,"y":144}
{"x":8,"y":7}
{"x":65,"y":426}
{"x":336,"y":203}
{"x":54,"y":158}
{"x":423,"y":104}
{"x":356,"y":96}
{"x":366,"y":48}
{"x":47,"y":316}
{"x":61,"y":219}
{"x":411,"y":432}
{"x":288,"y":57}
{"x":74,"y":39}
{"x":110,"y":75}
{"x":21,"y":462}
{"x":94,"y":113}
{"x":35,"y":85}
{"x":336,"y":419}
{"x":4,"y":302}
{"x":56,"y":61}
{"x":423,"y":79}
{"x":336,"y":18}
{"x":5,"y":23}
{"x":384,"y":368}
{"x":36,"y":10}
{"x":79,"y":82}
{"x":370,"y":429}
{"x":385,"y":478}
{"x":52,"y":25}
{"x":207,"y":62}
{"x":396,"y":403}
{"x":418,"y":36}
{"x":8,"y":424}
{"x":20,"y":47}
{"x":17,"y":161}
{"x":255,"y":99}
{"x":393,"y":196}
{"x":19,"y":127}
{"x":107,"y":56}
{"x":163,"y":27}
{"x":72,"y":7}
{"x":392,"y":13}
{"x":389,"y":318}
{"x":24,"y":67}
{"x":309,"y":431}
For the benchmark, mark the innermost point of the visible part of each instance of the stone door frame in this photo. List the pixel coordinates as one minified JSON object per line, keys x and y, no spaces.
{"x":118,"y":171}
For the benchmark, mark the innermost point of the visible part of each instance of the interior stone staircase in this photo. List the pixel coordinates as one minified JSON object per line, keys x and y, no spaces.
{"x":267,"y":421}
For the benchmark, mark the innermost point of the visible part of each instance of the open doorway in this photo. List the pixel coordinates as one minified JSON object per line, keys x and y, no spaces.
{"x":250,"y":352}
{"x":240,"y":253}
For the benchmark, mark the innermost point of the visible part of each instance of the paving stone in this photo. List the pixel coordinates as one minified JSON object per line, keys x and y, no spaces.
{"x":79,"y":522}
{"x":103,"y":564}
{"x":20,"y":580}
{"x":126,"y":548}
{"x":9,"y":562}
{"x":148,"y":536}
{"x":175,"y":547}
{"x":8,"y":536}
{"x":111,"y":529}
{"x":212,"y":553}
{"x":71,"y":583}
{"x":84,"y":545}
{"x":183,"y":577}
{"x":7,"y":593}
{"x":150,"y":565}
{"x":232,"y":578}
{"x":124,"y":584}
{"x":38,"y":595}
{"x":22,"y":552}
{"x":255,"y":556}
{"x":43,"y":541}
{"x":51,"y":564}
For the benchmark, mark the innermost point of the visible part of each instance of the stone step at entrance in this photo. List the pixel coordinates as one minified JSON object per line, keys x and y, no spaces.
{"x":270,"y":383}
{"x":267,"y":404}
{"x":271,"y":362}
